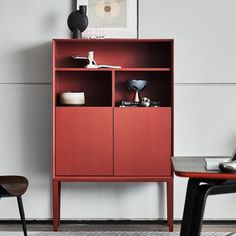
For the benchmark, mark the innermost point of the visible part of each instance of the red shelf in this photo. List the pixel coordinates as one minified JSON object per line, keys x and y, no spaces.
{"x":82,"y":69}
{"x":101,"y":141}
{"x":131,"y":53}
{"x":111,"y":69}
{"x":144,"y":69}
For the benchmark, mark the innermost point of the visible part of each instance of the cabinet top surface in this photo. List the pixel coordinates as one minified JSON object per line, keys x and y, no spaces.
{"x":112,"y":40}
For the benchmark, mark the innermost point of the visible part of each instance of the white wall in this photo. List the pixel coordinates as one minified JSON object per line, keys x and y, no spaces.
{"x":25,"y":97}
{"x":205,"y":81}
{"x":204,"y":104}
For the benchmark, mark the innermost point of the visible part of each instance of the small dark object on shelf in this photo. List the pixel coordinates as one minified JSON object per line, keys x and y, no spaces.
{"x":137,"y":86}
{"x":145,"y":102}
{"x":137,"y":104}
{"x":129,"y":104}
{"x":155,"y":104}
{"x":78,"y":21}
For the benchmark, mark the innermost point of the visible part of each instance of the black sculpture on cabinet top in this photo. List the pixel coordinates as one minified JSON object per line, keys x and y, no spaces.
{"x":78,"y":21}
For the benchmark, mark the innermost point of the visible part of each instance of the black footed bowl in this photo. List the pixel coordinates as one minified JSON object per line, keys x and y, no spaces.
{"x":137,"y":85}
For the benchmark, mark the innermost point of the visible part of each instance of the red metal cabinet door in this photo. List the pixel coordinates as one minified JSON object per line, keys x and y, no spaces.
{"x":84,"y":141}
{"x":142,"y":141}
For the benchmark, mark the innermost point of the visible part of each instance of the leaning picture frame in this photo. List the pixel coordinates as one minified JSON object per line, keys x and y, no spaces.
{"x":112,"y":19}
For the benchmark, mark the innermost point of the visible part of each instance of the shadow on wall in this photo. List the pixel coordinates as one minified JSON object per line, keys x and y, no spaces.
{"x":25,"y":129}
{"x":35,"y":117}
{"x":35,"y":64}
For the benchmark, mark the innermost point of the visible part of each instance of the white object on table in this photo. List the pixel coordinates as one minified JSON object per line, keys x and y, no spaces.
{"x":213,"y":163}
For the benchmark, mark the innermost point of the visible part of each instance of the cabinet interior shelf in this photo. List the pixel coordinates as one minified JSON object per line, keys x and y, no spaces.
{"x":85,"y":107}
{"x":111,"y":69}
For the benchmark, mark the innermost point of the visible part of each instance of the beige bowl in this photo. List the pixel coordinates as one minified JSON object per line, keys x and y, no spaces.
{"x":72,"y":98}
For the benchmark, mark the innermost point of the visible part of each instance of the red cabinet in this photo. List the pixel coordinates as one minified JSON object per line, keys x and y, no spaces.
{"x":142,"y":141}
{"x":103,"y":141}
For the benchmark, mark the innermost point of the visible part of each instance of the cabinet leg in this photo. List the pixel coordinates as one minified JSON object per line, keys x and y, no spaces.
{"x":170,"y":205}
{"x":59,"y":203}
{"x":56,"y":202}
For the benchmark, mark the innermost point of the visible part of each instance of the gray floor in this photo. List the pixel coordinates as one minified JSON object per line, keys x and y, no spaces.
{"x":113,"y":227}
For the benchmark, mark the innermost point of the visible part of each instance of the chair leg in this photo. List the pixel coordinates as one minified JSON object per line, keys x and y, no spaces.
{"x":188,"y":213}
{"x":198,"y":209}
{"x":22,"y":214}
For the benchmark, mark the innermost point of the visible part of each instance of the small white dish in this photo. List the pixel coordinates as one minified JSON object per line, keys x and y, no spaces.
{"x":72,"y":98}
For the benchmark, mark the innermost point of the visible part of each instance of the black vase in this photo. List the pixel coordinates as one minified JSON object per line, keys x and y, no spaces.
{"x":78,"y":21}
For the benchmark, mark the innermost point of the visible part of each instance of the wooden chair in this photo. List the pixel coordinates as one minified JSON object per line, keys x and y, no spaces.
{"x":15,"y":186}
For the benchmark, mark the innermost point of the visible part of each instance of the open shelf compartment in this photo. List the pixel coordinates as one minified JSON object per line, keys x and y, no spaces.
{"x":158,"y":86}
{"x":97,"y":86}
{"x":126,"y":53}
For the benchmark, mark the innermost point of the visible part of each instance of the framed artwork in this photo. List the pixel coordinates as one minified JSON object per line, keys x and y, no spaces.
{"x":113,"y":18}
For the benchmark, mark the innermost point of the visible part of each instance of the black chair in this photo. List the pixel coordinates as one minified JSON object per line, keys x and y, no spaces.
{"x":15,"y":186}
